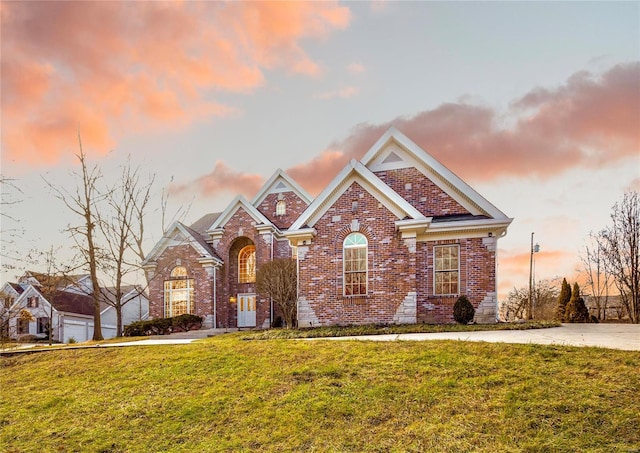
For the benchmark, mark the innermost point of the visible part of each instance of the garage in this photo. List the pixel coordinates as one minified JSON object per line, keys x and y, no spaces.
{"x":78,"y":330}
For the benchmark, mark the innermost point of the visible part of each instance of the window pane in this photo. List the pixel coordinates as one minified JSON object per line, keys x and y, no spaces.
{"x":247,"y":264}
{"x":446,"y":276}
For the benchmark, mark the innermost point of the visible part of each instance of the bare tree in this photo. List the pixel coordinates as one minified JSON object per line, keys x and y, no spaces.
{"x":278,"y":279}
{"x":9,"y":196}
{"x":123,"y":229}
{"x":544,"y":300}
{"x":598,"y":278}
{"x":621,"y":248}
{"x":84,"y":203}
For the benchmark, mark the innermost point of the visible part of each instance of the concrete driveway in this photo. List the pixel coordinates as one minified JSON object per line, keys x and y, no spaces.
{"x":613,"y":336}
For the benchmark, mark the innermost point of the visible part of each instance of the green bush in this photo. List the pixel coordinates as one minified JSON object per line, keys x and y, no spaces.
{"x":463,"y":310}
{"x":163,"y":326}
{"x":185,"y":323}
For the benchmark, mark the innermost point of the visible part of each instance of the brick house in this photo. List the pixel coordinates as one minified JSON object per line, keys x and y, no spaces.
{"x":395,"y":238}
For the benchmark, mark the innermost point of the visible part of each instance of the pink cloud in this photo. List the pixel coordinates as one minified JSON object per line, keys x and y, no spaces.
{"x":222,"y":179}
{"x":103,"y":67}
{"x":587,"y":122}
{"x":514,"y":267}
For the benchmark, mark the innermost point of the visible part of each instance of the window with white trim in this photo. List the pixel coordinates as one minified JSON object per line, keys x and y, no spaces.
{"x":446,"y":269}
{"x":178,"y":293}
{"x":247,"y":264}
{"x":281,"y":208}
{"x":354,"y":262}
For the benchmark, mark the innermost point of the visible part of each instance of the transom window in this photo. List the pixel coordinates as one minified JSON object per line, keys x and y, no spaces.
{"x":178,"y":293}
{"x":354,"y":249}
{"x":247,"y":264}
{"x":447,"y":269}
{"x":281,"y":208}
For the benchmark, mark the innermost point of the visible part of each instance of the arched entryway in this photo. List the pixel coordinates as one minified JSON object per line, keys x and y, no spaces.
{"x":242,"y":278}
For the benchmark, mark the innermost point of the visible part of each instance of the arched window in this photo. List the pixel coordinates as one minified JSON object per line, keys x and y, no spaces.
{"x":178,"y":293}
{"x":281,"y":208}
{"x":247,"y":264}
{"x":354,"y":250}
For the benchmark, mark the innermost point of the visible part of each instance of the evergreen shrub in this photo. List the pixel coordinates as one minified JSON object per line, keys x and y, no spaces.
{"x":463,"y":310}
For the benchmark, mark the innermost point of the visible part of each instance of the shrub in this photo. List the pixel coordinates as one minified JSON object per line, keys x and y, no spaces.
{"x":576,"y":310}
{"x":463,"y":310}
{"x":163,"y":326}
{"x":185,"y":323}
{"x":72,"y":340}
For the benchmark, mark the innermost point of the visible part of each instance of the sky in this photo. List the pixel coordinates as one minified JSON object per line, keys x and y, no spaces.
{"x":535,"y":104}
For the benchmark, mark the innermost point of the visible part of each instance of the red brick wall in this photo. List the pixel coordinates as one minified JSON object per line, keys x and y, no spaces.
{"x":423,"y":194}
{"x":203,"y":283}
{"x":295,"y":206}
{"x":477,"y":278}
{"x":391,"y":271}
{"x":239,"y":231}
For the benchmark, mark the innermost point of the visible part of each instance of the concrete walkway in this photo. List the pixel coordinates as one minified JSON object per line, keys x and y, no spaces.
{"x":612,"y":336}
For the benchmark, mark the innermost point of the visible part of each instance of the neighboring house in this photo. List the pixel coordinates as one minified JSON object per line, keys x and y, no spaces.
{"x":65,"y":306}
{"x":611,"y":307}
{"x":395,"y":238}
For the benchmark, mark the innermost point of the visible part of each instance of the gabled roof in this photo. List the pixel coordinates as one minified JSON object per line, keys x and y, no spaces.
{"x":356,"y":172}
{"x":69,"y":302}
{"x":189,"y":236}
{"x":62,"y":301}
{"x":108,"y":293}
{"x":11,"y":288}
{"x":239,"y":202}
{"x":380,"y":156}
{"x":58,"y":281}
{"x":204,"y":223}
{"x":278,"y":183}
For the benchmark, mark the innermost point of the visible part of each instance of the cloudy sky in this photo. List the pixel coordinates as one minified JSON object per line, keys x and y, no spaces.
{"x":536,"y":105}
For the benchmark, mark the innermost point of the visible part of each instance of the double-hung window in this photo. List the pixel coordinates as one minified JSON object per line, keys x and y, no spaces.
{"x":354,"y":261}
{"x":447,"y":269}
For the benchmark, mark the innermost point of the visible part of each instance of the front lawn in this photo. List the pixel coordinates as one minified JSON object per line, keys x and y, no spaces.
{"x":224,"y":394}
{"x":375,"y":329}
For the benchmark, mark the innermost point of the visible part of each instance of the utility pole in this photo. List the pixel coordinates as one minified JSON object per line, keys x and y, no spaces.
{"x":534,"y":249}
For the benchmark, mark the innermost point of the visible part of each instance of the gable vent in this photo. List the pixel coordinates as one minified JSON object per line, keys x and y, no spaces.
{"x":392,"y":157}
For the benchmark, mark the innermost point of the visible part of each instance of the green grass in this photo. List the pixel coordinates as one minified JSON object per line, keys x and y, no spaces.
{"x":375,"y":329}
{"x":224,"y":394}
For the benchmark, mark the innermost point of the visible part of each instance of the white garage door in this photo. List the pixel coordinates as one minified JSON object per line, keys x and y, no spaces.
{"x":76,"y":330}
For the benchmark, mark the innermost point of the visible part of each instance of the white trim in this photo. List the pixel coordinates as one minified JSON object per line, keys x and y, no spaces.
{"x":355,"y":172}
{"x":237,"y":203}
{"x":449,"y":270}
{"x":169,"y":240}
{"x":269,"y":188}
{"x":440,"y":175}
{"x":366,"y":270}
{"x":465,"y":229}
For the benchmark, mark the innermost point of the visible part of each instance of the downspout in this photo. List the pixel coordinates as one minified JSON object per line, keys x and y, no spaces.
{"x":271,"y":298}
{"x":215,"y":307}
{"x":297,"y":287}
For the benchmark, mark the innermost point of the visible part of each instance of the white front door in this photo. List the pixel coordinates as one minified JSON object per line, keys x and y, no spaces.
{"x":246,"y":310}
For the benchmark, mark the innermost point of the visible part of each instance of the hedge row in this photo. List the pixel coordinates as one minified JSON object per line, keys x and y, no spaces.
{"x":163,"y":326}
